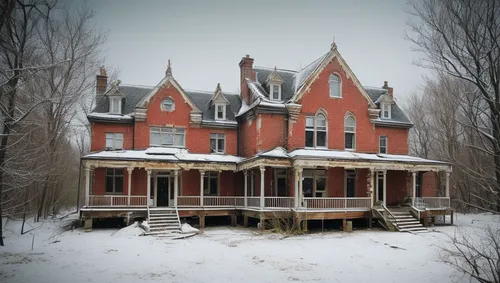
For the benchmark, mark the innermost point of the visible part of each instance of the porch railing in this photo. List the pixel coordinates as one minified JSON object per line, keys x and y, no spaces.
{"x":188,"y":201}
{"x":253,"y":201}
{"x":434,"y":202}
{"x":279,"y":202}
{"x":355,"y":203}
{"x":116,"y":200}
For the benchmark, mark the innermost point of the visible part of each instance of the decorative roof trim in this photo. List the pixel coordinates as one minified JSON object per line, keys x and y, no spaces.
{"x":218,"y":93}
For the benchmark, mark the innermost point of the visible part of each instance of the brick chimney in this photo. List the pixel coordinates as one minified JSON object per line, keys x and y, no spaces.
{"x":389,"y":89}
{"x":101,"y":81}
{"x":246,"y":72}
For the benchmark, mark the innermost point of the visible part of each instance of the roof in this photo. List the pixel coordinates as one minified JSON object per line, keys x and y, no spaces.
{"x":398,"y":117}
{"x":134,"y":94}
{"x":288,"y":77}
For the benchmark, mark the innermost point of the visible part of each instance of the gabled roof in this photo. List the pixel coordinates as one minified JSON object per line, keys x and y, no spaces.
{"x":288,"y":77}
{"x":132,"y":94}
{"x":202,"y":100}
{"x":398,"y":117}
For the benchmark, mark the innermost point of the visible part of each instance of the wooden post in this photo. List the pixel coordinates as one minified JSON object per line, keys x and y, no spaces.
{"x":245,"y":173}
{"x":344,"y":225}
{"x":148,"y":186}
{"x":87,"y":186}
{"x":88,"y":224}
{"x":372,"y":185}
{"x":202,"y":221}
{"x":262,"y":222}
{"x":176,"y":186}
{"x":447,"y":192}
{"x":245,"y":221}
{"x":296,"y":186}
{"x":414,"y":182}
{"x":233,"y":220}
{"x":385,"y":187}
{"x":262,"y":183}
{"x":202,"y":173}
{"x":129,"y":171}
{"x":300,"y":187}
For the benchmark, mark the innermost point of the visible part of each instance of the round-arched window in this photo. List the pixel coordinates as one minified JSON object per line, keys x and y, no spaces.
{"x":168,"y":104}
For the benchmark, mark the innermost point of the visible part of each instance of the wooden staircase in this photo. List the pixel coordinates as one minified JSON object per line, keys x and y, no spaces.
{"x":164,"y":222}
{"x":399,"y":219}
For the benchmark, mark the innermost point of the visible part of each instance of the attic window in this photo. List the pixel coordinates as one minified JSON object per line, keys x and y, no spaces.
{"x":275,"y":92}
{"x":386,"y":110}
{"x":168,"y":104}
{"x":115,"y":105}
{"x":220,"y":112}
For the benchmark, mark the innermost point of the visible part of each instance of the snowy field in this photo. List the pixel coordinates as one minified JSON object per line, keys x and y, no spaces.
{"x":227,"y":254}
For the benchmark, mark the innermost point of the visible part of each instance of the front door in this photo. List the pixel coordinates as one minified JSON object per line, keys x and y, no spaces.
{"x":380,"y":188}
{"x":350,"y":183}
{"x":162,"y":191}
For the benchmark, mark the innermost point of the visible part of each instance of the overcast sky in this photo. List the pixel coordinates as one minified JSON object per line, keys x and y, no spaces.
{"x":205,"y":40}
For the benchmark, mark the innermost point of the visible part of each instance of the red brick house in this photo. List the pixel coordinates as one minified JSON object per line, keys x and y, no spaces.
{"x":312,"y":141}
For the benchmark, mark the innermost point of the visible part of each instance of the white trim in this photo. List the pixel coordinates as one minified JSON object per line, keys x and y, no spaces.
{"x":163,"y":101}
{"x":386,"y":144}
{"x":330,"y":83}
{"x":382,"y":112}
{"x":271,"y":92}
{"x":116,"y":141}
{"x":112,"y":101}
{"x":174,"y":133}
{"x":217,"y":111}
{"x":217,"y":138}
{"x":347,"y":116}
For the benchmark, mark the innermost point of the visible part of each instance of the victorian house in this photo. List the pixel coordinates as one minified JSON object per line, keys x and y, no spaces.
{"x":314,"y":143}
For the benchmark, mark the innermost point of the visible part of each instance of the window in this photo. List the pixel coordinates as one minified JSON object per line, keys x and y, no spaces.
{"x":275,"y":92}
{"x":382,"y":144}
{"x":280,"y":183}
{"x":115,"y":105}
{"x":335,"y":86}
{"x":211,"y":183}
{"x":217,"y":143}
{"x":114,"y":180}
{"x":167,"y":137}
{"x":220,"y":112}
{"x":168,"y":104}
{"x":386,"y":110}
{"x":314,"y":183}
{"x":316,"y":131}
{"x":114,"y":141}
{"x":350,"y":132}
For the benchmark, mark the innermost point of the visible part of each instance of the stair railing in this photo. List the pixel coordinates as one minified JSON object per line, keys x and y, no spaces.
{"x":178,"y":218}
{"x":388,"y":214}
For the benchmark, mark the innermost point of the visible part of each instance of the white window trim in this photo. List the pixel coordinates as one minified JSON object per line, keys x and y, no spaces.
{"x":340,"y":86}
{"x":217,"y":111}
{"x":353,"y":132}
{"x":161,"y":129}
{"x":111,"y":102}
{"x":173,"y":105}
{"x":315,"y":131}
{"x":271,"y":86}
{"x":386,"y":144}
{"x":211,"y":175}
{"x":218,"y":151}
{"x":388,"y":105}
{"x":316,"y":176}
{"x":116,"y":138}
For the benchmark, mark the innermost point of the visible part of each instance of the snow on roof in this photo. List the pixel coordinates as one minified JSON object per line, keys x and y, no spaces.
{"x":277,"y":152}
{"x":208,"y":157}
{"x":164,"y":150}
{"x":109,"y":116}
{"x":129,"y":154}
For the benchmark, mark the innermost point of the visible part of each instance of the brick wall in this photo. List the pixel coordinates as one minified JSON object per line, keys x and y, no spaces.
{"x":396,"y":187}
{"x":99,"y":130}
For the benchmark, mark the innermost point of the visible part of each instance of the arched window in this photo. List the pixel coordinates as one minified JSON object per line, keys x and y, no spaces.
{"x":350,"y":132}
{"x":316,"y":130}
{"x":335,"y":86}
{"x":168,"y":104}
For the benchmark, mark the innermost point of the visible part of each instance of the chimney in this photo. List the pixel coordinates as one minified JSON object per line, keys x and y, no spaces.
{"x":101,"y":81}
{"x":246,"y":72}
{"x":389,"y":89}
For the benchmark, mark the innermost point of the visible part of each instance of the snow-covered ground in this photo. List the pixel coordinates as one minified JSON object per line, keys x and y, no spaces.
{"x":227,"y":254}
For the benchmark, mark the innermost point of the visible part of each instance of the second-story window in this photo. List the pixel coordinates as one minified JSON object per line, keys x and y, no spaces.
{"x":350,"y":132}
{"x":316,"y":131}
{"x":114,"y":141}
{"x":220,"y":112}
{"x":167,"y":137}
{"x":275,"y":92}
{"x":115,"y":105}
{"x":217,"y":143}
{"x":383,"y":144}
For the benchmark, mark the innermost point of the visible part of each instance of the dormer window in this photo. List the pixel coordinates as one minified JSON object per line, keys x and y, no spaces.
{"x":115,"y":105}
{"x":275,"y":92}
{"x":220,"y":112}
{"x":386,"y":110}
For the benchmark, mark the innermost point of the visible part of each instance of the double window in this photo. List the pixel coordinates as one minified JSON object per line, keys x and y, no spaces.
{"x":350,"y":132}
{"x":114,"y":180}
{"x":211,"y":183}
{"x":167,"y":137}
{"x":314,"y":183}
{"x":114,"y":141}
{"x":275,"y":92}
{"x":115,"y":105}
{"x":217,"y":143}
{"x":316,"y":131}
{"x":382,"y":144}
{"x":335,"y":86}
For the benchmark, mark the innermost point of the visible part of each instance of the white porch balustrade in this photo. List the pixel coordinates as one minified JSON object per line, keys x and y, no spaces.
{"x":354,"y":203}
{"x":117,"y":200}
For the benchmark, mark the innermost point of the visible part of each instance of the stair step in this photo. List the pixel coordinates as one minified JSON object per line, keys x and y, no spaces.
{"x":164,"y":228}
{"x":410,"y":225}
{"x":162,"y":214}
{"x":176,"y":233}
{"x":414,"y":229}
{"x":163,"y":224}
{"x":163,"y":218}
{"x":163,"y":221}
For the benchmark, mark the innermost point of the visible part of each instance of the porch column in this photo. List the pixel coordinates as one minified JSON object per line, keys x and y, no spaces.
{"x":385,"y":187}
{"x":202,"y":173}
{"x":176,"y":186}
{"x":414,"y":182}
{"x":447,"y":191}
{"x":129,"y":171}
{"x":296,"y":186}
{"x":262,"y":175}
{"x":245,"y":173}
{"x":87,"y":186}
{"x":148,"y":186}
{"x":372,"y":185}
{"x":301,"y":193}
